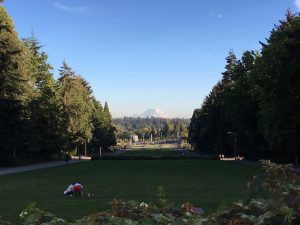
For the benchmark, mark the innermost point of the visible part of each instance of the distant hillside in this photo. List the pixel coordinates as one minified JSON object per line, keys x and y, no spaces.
{"x":158,"y":127}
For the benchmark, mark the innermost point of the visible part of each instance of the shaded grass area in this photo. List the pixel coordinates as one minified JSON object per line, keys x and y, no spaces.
{"x":152,"y":146}
{"x":208,"y":184}
{"x":152,"y":153}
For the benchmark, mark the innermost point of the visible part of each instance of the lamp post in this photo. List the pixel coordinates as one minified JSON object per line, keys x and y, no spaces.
{"x":235,"y":142}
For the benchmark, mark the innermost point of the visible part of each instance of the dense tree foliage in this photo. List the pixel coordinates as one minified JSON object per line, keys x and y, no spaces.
{"x":160,"y":128}
{"x":254,"y":109}
{"x":39,"y":116}
{"x":104,"y":134}
{"x":76,"y":108}
{"x":15,"y":86}
{"x":40,"y":134}
{"x":279,"y":92}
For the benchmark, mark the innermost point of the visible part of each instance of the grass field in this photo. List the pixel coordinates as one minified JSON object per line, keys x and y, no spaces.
{"x":152,"y":153}
{"x":152,"y":146}
{"x":208,"y":184}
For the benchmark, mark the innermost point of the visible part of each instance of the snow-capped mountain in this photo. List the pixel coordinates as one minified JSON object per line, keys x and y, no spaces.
{"x":153,"y":113}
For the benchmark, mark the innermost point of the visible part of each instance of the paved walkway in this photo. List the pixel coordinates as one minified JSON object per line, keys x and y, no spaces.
{"x":19,"y":169}
{"x":10,"y":170}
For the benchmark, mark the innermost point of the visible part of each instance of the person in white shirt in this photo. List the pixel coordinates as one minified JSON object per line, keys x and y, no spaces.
{"x":69,"y":190}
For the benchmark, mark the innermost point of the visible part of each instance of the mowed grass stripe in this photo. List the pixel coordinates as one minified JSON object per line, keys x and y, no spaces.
{"x":206,"y":183}
{"x":151,"y":152}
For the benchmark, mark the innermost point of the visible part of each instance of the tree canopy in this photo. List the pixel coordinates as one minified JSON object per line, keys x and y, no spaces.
{"x":39,"y":116}
{"x":160,"y":128}
{"x":255,"y":108}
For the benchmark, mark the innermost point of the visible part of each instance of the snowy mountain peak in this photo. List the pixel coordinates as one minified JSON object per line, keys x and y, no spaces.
{"x":153,"y":113}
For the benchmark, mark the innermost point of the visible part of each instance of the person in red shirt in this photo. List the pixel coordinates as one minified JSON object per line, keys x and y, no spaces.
{"x":78,"y":189}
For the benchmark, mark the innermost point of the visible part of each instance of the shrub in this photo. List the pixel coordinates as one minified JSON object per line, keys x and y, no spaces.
{"x":32,"y":215}
{"x":274,"y":199}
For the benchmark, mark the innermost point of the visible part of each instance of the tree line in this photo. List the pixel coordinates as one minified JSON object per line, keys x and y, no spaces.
{"x":41,"y":117}
{"x":254,"y":110}
{"x":159,"y":128}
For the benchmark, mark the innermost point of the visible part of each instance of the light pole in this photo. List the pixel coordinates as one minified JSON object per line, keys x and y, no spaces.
{"x":235,"y":142}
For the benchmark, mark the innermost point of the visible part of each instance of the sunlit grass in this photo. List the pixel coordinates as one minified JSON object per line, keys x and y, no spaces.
{"x":208,"y":184}
{"x":152,"y":153}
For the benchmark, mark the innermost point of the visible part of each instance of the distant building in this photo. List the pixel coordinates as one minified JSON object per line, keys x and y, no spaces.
{"x":134,"y":138}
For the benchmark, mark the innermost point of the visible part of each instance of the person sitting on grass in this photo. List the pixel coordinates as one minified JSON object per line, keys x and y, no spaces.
{"x":70,"y":190}
{"x":78,"y":189}
{"x":75,"y":188}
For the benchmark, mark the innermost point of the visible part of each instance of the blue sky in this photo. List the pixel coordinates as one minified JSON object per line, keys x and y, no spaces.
{"x":140,"y":54}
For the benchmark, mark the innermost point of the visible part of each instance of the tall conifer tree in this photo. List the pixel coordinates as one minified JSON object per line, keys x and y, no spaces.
{"x":279,"y":82}
{"x":76,"y":108}
{"x":15,"y":86}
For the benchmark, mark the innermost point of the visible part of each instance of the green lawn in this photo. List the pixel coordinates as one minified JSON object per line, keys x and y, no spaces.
{"x":152,"y":153}
{"x":209,"y":184}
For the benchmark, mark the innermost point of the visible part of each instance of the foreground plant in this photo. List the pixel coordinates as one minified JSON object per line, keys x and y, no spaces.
{"x":34,"y":216}
{"x":274,"y":199}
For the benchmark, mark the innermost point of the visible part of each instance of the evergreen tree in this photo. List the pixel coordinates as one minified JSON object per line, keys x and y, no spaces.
{"x":104,"y":134}
{"x":107,"y":113}
{"x":15,"y":87}
{"x":225,"y":112}
{"x":212,"y":118}
{"x":110,"y":130}
{"x":14,"y":80}
{"x":258,"y":94}
{"x":43,"y":136}
{"x":76,"y":108}
{"x":144,"y":126}
{"x":279,"y":81}
{"x":241,"y":108}
{"x":228,"y":75}
{"x":207,"y":129}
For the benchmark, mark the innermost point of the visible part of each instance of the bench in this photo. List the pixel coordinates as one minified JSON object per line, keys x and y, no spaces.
{"x":222,"y":157}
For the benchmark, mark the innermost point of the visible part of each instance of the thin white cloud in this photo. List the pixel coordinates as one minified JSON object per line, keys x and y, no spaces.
{"x":219,"y":16}
{"x":71,"y":9}
{"x":297,"y":3}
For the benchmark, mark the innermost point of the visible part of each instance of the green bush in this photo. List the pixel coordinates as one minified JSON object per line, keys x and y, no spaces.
{"x":123,"y":213}
{"x":274,"y":199}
